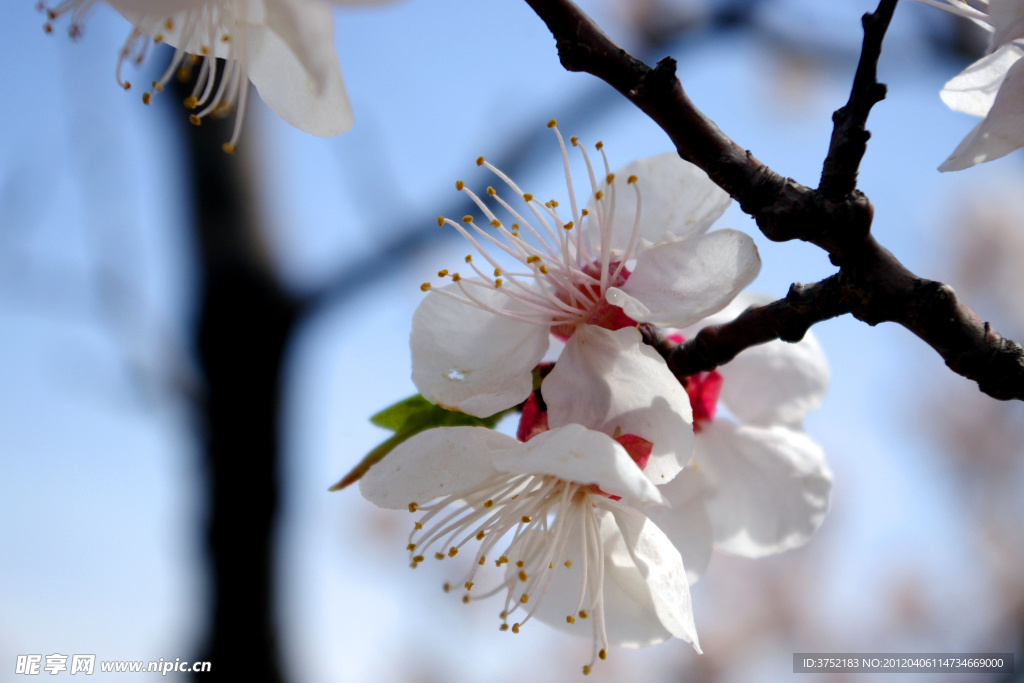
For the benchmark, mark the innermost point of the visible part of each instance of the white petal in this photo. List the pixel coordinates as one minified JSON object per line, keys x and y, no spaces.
{"x":776,"y":383}
{"x":630,"y":617}
{"x":467,"y":359}
{"x":770,"y":486}
{"x":612,"y":382}
{"x":431,"y":464}
{"x":974,"y":90}
{"x":662,"y":569}
{"x":678,"y":283}
{"x":294,"y":67}
{"x":1008,"y":18}
{"x":676,"y":198}
{"x":685,"y":520}
{"x":1002,"y":130}
{"x":577,"y":454}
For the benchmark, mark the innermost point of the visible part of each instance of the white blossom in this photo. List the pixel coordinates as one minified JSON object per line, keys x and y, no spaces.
{"x":992,"y":87}
{"x":587,"y":279}
{"x":282,"y":46}
{"x":757,"y":484}
{"x":559,"y":516}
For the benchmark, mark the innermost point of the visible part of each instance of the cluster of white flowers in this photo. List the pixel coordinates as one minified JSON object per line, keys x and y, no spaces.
{"x":992,"y":87}
{"x":283,"y":46}
{"x":621,"y":480}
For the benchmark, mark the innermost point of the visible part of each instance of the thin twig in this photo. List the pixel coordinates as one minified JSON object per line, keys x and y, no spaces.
{"x":875,"y":286}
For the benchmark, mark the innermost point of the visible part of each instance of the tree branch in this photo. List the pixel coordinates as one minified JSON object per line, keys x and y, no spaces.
{"x":872,"y":283}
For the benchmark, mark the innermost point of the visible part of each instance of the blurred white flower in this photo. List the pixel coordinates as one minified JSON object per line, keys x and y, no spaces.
{"x":475,"y":342}
{"x":563,"y":506}
{"x":758,"y":485}
{"x":283,"y":46}
{"x":992,"y":87}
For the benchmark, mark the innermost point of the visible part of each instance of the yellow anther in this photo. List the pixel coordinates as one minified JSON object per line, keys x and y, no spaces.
{"x":456,"y":277}
{"x":552,"y":123}
{"x":502,"y":560}
{"x":602,"y":654}
{"x":225,"y":38}
{"x":522,"y":575}
{"x":584,"y":212}
{"x":609,"y":178}
{"x":465,"y":599}
{"x":568,"y":226}
{"x":583,"y":614}
{"x":524,"y":598}
{"x":503,"y":627}
{"x":503,"y":614}
{"x":438,"y":556}
{"x":425,"y":286}
{"x":533,"y":259}
{"x":630,"y":180}
{"x":550,"y":566}
{"x":469,"y":585}
{"x":47,"y":28}
{"x":515,"y":226}
{"x":228,"y":148}
{"x":599,"y":145}
{"x":184,"y":73}
{"x":526,"y":520}
{"x":411,"y":547}
{"x":145,"y":98}
{"x":194,"y":120}
{"x":203,"y":50}
{"x":497,"y":283}
{"x":574,"y":140}
{"x":482,"y":560}
{"x":543,"y":269}
{"x":442,"y":273}
{"x":418,"y":558}
{"x":127,"y":85}
{"x":480,"y":536}
{"x":554,"y":204}
{"x":495,"y":223}
{"x":527,"y":197}
{"x":417,"y":526}
{"x":453,"y":551}
{"x":599,"y":194}
{"x":191,"y":102}
{"x":169,"y":24}
{"x":479,"y":161}
{"x":447,"y":587}
{"x":515,"y":233}
{"x":515,"y":627}
{"x":519,"y":563}
{"x":413,"y":507}
{"x":570,"y":620}
{"x":586,"y":669}
{"x":158,"y":37}
{"x":568,"y":563}
{"x":440,"y":221}
{"x":467,"y":219}
{"x":490,"y":190}
{"x":157,"y":87}
{"x":459,"y":185}
{"x":497,"y":272}
{"x":488,"y":503}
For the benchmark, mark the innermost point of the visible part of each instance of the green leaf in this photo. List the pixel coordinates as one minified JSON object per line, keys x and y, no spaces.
{"x":408,"y":418}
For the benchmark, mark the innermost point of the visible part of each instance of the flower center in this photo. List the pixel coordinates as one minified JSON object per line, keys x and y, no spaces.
{"x":205,"y":33}
{"x":540,"y":512}
{"x":565,"y":277}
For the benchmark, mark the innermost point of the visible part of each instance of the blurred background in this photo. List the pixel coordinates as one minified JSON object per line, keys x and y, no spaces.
{"x":191,"y":345}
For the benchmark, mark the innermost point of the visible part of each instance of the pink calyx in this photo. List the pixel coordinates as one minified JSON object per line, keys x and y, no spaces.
{"x":703,"y":390}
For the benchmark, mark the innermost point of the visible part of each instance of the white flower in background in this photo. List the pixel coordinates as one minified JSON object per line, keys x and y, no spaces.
{"x":992,"y":87}
{"x":475,"y":342}
{"x":283,"y":46}
{"x":558,"y":516}
{"x":757,"y":483}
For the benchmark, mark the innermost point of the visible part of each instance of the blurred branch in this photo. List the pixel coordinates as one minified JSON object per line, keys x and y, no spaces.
{"x":836,"y":217}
